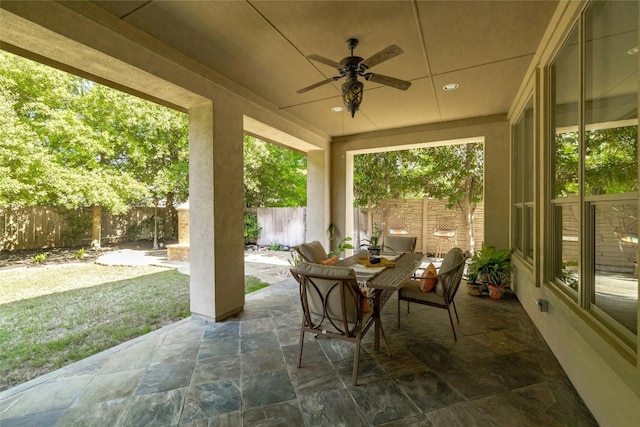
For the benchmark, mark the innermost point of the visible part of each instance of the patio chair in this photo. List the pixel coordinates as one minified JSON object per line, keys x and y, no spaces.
{"x":445,"y":232}
{"x":312,"y":252}
{"x":449,"y":278}
{"x":334,"y":306}
{"x":395,"y":243}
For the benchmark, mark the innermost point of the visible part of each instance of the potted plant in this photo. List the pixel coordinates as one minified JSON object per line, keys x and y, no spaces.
{"x":491,"y":268}
{"x":498,"y":280}
{"x":342,"y":246}
{"x":473,"y":286}
{"x":373,"y":242}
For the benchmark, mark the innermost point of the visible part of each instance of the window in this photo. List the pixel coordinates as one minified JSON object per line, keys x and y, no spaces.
{"x":523,"y":183}
{"x":594,"y":188}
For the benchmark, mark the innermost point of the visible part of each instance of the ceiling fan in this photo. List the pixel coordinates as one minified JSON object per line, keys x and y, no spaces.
{"x":353,"y":66}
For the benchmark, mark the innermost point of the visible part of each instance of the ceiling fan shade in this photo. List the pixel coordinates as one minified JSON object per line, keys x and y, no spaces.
{"x":352,"y":91}
{"x":354,"y":66}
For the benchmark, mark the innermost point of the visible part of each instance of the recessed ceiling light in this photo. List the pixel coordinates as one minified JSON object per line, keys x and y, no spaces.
{"x":451,"y":86}
{"x":633,"y":51}
{"x":337,"y":109}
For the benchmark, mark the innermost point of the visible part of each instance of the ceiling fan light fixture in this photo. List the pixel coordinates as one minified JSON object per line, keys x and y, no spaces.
{"x":337,"y":109}
{"x":633,"y":51}
{"x":352,"y":91}
{"x":450,"y":86}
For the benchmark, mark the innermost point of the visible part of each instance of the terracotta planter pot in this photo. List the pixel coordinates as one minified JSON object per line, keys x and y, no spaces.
{"x":475,"y":288}
{"x":496,"y":292}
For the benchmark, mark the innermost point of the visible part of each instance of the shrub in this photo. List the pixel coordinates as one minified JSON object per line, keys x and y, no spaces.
{"x":39,"y":258}
{"x":79,"y":254}
{"x":251,"y":228}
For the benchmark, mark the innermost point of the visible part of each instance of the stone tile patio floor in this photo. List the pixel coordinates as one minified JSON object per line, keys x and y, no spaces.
{"x":243,"y":372}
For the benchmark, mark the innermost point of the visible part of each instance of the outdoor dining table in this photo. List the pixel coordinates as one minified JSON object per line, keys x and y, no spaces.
{"x":382,"y":282}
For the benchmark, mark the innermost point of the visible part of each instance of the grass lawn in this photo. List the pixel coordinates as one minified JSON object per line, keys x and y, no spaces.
{"x":55,"y":315}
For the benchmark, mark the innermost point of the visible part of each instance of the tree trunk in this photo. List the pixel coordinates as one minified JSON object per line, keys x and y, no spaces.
{"x":96,"y":227}
{"x":170,"y":218}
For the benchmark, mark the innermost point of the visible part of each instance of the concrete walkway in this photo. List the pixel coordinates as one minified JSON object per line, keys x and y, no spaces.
{"x":269,"y":266}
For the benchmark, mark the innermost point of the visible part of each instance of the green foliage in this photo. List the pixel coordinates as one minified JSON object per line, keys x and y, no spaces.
{"x":450,"y":171}
{"x":273,"y":176}
{"x":134,"y":231}
{"x":251,"y":228}
{"x":343,"y":245}
{"x":611,"y":165}
{"x":39,"y":258}
{"x":70,"y":142}
{"x":490,"y":265}
{"x":373,"y":241}
{"x":294,"y":259}
{"x":78,"y":223}
{"x":276,"y":247}
{"x":79,"y":254}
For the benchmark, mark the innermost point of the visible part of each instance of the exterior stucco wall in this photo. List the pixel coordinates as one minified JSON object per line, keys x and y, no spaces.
{"x":604,"y":370}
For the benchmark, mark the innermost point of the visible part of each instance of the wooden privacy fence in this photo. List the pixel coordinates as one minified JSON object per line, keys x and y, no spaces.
{"x":283,"y":226}
{"x":41,"y":227}
{"x":418,"y":217}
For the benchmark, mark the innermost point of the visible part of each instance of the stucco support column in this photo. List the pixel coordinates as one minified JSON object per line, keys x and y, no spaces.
{"x":317,"y":196}
{"x":216,"y":206}
{"x":342,"y":194}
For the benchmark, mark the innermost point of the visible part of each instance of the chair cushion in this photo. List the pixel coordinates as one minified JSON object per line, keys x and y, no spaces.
{"x":411,"y":289}
{"x":400,"y":243}
{"x":325,"y":270}
{"x":429,"y":278}
{"x":313,"y":252}
{"x":451,"y":259}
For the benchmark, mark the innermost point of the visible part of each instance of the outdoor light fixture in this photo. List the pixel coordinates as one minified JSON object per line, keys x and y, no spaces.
{"x":352,"y":91}
{"x":353,"y":66}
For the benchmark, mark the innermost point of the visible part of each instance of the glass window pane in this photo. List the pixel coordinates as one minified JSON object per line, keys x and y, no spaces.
{"x":517,"y":226}
{"x":528,"y":153}
{"x":616,"y":242}
{"x":528,"y":235}
{"x":566,"y":94}
{"x":611,"y":108}
{"x":517,"y":162}
{"x":567,"y":243}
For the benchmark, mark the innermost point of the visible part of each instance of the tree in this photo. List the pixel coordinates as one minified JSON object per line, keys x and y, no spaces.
{"x":452,"y":172}
{"x":91,"y":145}
{"x":456,"y":173}
{"x":273,"y":176}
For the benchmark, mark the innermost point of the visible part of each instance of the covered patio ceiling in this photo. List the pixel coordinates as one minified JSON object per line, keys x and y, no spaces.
{"x":483,"y":46}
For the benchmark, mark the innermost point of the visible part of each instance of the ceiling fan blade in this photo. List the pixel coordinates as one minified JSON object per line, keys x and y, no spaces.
{"x":384,"y":55}
{"x":388,"y":81}
{"x":315,"y":85}
{"x":324,"y":60}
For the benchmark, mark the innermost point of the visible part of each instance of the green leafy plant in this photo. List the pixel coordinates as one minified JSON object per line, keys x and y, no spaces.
{"x":342,"y":246}
{"x":134,"y":231}
{"x":294,"y":259}
{"x":490,"y":265}
{"x":373,"y":241}
{"x":39,"y":258}
{"x":79,"y":254}
{"x":276,"y":247}
{"x":252,"y":228}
